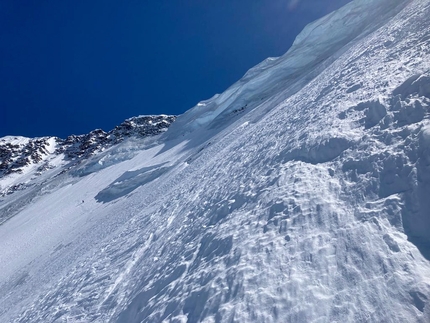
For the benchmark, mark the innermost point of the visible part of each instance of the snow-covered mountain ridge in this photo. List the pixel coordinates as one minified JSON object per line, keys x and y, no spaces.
{"x":19,"y":155}
{"x":305,"y":201}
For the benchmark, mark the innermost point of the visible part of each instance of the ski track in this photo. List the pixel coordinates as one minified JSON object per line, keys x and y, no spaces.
{"x":297,"y":211}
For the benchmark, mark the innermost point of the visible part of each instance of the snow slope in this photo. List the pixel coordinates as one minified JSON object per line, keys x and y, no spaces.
{"x":296,"y":199}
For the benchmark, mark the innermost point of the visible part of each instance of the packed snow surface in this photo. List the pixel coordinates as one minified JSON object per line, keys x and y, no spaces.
{"x":301,"y":194}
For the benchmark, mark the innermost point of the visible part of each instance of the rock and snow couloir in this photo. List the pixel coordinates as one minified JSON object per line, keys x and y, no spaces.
{"x":301,"y":194}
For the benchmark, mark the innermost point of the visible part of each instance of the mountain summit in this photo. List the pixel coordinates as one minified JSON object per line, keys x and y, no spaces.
{"x":300,"y":194}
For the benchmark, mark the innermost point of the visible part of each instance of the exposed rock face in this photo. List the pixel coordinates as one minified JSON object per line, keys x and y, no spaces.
{"x":142,"y":126}
{"x":15,"y":155}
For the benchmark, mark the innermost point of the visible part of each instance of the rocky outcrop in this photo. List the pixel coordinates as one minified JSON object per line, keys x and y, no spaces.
{"x":14,"y":156}
{"x":97,"y":140}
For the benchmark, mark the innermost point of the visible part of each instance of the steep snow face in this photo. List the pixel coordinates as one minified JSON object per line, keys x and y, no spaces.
{"x":316,"y":46}
{"x":310,"y":206}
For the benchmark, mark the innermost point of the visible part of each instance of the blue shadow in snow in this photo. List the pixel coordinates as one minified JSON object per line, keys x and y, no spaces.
{"x":129,"y":181}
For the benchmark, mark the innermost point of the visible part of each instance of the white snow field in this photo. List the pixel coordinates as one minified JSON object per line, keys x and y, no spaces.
{"x":301,"y":194}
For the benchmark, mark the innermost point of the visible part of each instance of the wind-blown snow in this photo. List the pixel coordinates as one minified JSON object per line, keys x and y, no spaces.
{"x":305,"y":201}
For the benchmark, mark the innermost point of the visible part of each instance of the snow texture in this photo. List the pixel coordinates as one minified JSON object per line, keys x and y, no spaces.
{"x":298,"y":195}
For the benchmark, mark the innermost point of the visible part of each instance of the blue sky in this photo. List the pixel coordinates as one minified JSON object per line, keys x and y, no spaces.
{"x":68,"y":67}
